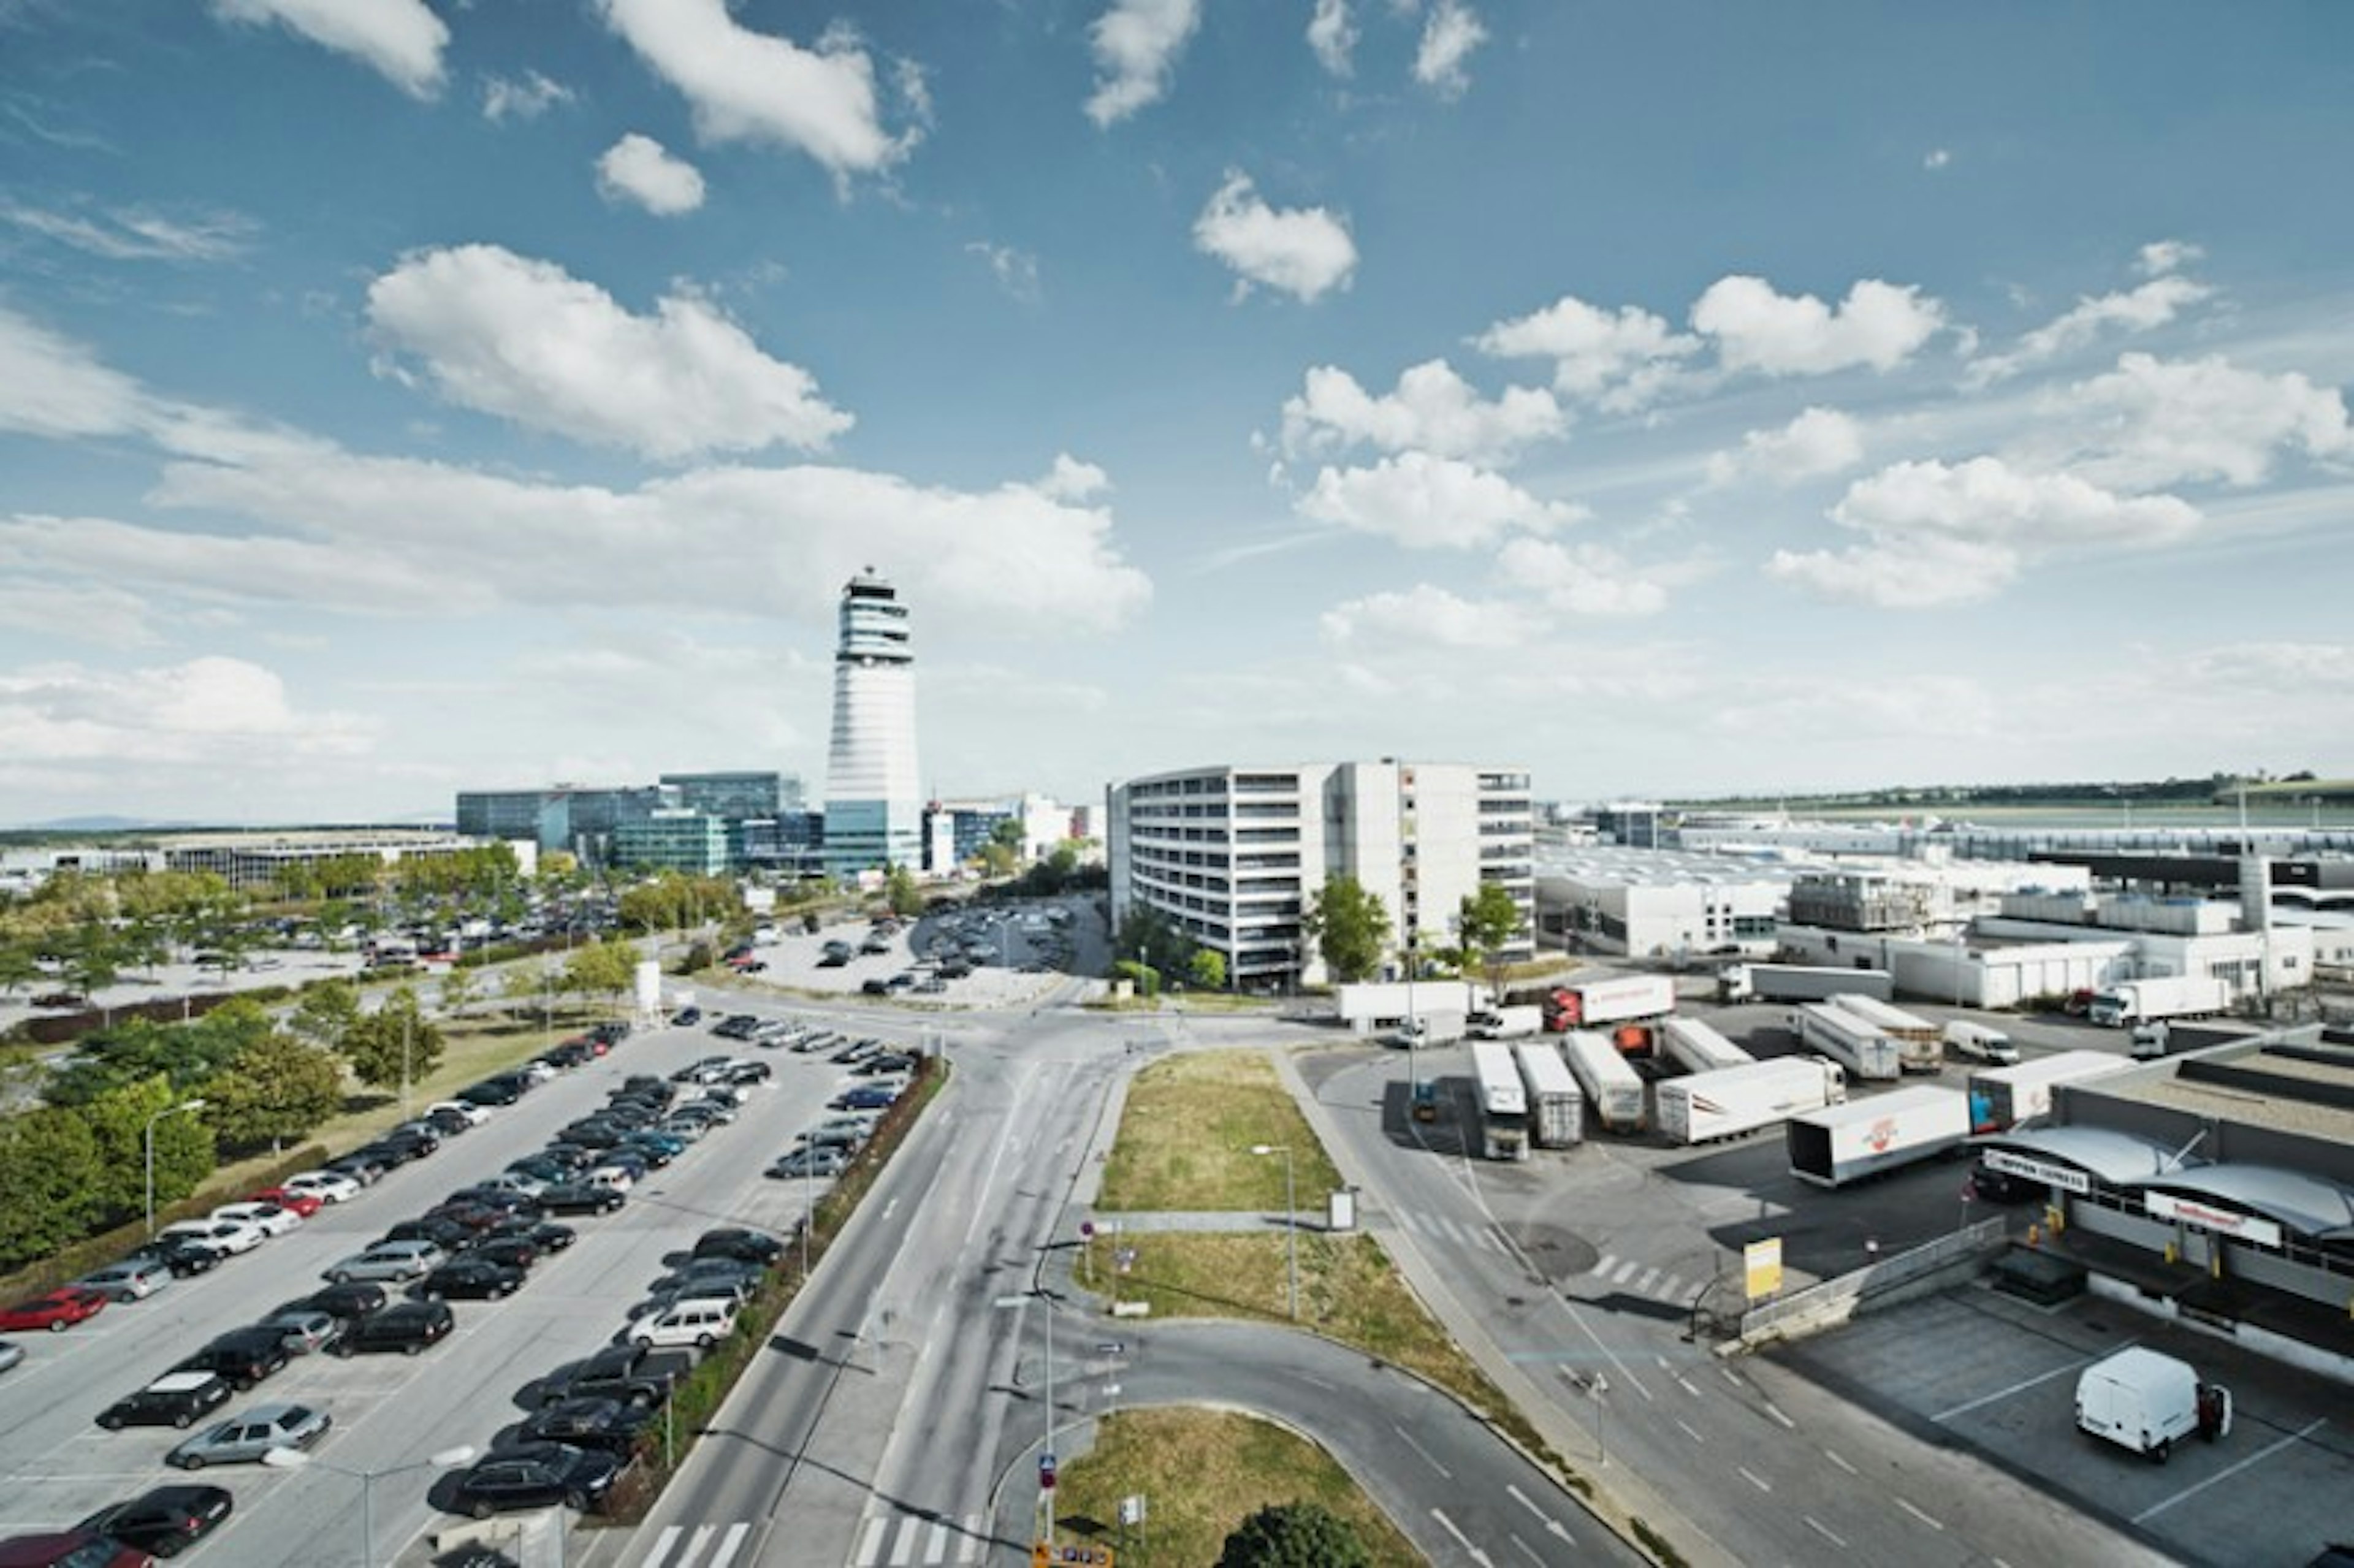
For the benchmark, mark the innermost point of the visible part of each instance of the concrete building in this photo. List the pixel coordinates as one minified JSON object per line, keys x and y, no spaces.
{"x":736,"y":796}
{"x":579,"y":822}
{"x":1658,"y":903}
{"x":1233,"y":856}
{"x":673,"y":839}
{"x":254,"y":857}
{"x":873,"y":800}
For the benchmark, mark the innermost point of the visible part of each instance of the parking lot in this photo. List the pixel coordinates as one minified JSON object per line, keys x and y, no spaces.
{"x":794,"y":961}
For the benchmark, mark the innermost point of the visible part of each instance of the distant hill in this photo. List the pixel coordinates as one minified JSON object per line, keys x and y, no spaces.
{"x":102,"y":825}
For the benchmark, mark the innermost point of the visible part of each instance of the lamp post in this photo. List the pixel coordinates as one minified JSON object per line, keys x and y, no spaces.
{"x":298,"y":1458}
{"x":1290,"y":1218}
{"x":150,"y":1141}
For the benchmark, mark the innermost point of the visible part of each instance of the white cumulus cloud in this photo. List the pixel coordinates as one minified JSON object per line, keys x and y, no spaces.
{"x":1302,"y":252}
{"x":1620,"y":359}
{"x":2138,"y":309}
{"x":1332,"y":36}
{"x":640,"y":169}
{"x":1584,"y":580}
{"x":526,"y":98}
{"x":1878,"y":325}
{"x":1425,"y":502}
{"x":526,"y":341}
{"x":1433,"y":409}
{"x":1819,"y":441}
{"x":747,"y":86}
{"x":401,"y":39}
{"x":1425,"y":616}
{"x":205,"y":711}
{"x":1449,"y":34}
{"x":2160,"y":257}
{"x":51,"y":385}
{"x":1135,"y":45}
{"x":2155,"y":422}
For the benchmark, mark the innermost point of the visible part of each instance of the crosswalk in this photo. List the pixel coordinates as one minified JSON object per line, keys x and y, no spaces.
{"x":885,"y":1540}
{"x":1619,"y":1276}
{"x":1441,"y":1228}
{"x":681,"y":1546}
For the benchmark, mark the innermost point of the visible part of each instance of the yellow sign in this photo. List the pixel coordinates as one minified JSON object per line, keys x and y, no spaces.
{"x":1761,"y":1266}
{"x":1045,"y":1555}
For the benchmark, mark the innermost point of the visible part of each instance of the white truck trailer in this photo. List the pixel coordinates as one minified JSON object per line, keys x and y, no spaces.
{"x":1844,"y":1143}
{"x":1503,"y":1103}
{"x":1920,"y":1045}
{"x":1612,"y":1087}
{"x":1731,"y":1101}
{"x":1697,"y":1048}
{"x":1506,"y":1022}
{"x":2143,"y":1400}
{"x":1616,"y":999}
{"x":1801,"y":982}
{"x":1866,"y":1053}
{"x":2161,"y":997}
{"x":1556,"y":1108}
{"x":2002,"y":1097}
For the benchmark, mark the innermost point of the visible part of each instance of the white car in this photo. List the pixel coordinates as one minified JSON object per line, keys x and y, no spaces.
{"x":476,"y":1115}
{"x":616,"y":1177}
{"x":700,"y":1322}
{"x":231,"y":1236}
{"x":324,"y":1185}
{"x":269,"y":1218}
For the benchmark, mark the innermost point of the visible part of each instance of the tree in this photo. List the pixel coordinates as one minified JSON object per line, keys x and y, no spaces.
{"x":1294,"y":1535}
{"x":92,"y":960}
{"x":18,"y":968}
{"x":1208,"y":970}
{"x":48,"y":1183}
{"x":122,"y":1123}
{"x":326,"y":1013}
{"x":1351,"y":928}
{"x":1486,"y":923}
{"x":277,"y":1090}
{"x":900,"y":891}
{"x":395,"y":1045}
{"x":1148,"y":938}
{"x":184,"y":1055}
{"x":609,"y":967}
{"x":457,"y":990}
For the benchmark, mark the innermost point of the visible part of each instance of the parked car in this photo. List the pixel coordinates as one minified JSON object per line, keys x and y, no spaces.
{"x":408,"y":1326}
{"x":744,"y":1073}
{"x":232,"y":1236}
{"x":470,"y":1277}
{"x":304,"y":1205}
{"x":441,"y":1231}
{"x":175,"y":1399}
{"x":57,"y":1311}
{"x":580,"y":1198}
{"x":537,"y":1475}
{"x":868,"y":1096}
{"x":166,"y":1521}
{"x":549,"y":1236}
{"x":363,"y":1167}
{"x":806,"y":1164}
{"x":628,"y":1372}
{"x":712,"y":1276}
{"x":686,"y":1017}
{"x":398,"y":1261}
{"x":466,"y":1110}
{"x":350,"y":1302}
{"x":305,"y":1332}
{"x":269,"y":1219}
{"x":613,"y":1425}
{"x":71,"y":1549}
{"x":490,"y":1092}
{"x":245,"y":1438}
{"x":131,"y":1279}
{"x":746,"y":1246}
{"x":516,"y":1252}
{"x":244,"y":1356}
{"x":181,"y":1255}
{"x":11,"y":1352}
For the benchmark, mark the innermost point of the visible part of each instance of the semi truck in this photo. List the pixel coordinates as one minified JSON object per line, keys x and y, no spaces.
{"x":2002,"y":1097}
{"x":2143,"y":1400}
{"x":1731,"y":1101}
{"x":1556,"y":1108}
{"x":1920,"y":1045}
{"x":1866,"y":1053}
{"x":1628,"y":1005}
{"x":1697,"y":1048}
{"x":1505,"y":1023}
{"x":1503,"y":1103}
{"x":1844,"y":1143}
{"x":1801,"y":982}
{"x":1612,"y":1087}
{"x":2159,"y":998}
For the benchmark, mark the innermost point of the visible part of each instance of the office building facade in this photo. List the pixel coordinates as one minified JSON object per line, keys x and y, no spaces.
{"x":874,"y":803}
{"x":740,"y":797}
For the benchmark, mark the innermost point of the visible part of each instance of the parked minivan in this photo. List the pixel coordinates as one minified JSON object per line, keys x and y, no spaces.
{"x":701,"y":1322}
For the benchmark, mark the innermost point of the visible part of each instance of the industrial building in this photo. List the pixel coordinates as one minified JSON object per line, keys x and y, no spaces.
{"x":1233,"y":856}
{"x":873,"y":800}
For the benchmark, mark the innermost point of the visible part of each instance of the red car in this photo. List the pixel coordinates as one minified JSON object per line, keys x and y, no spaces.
{"x":58,"y":1311}
{"x":303,"y":1204}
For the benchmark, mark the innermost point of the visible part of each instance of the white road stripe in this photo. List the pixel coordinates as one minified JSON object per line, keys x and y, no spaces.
{"x":976,"y":1539}
{"x":870,"y":1542}
{"x":911,"y":1530}
{"x":1916,"y":1513}
{"x":937,"y":1547}
{"x":1624,"y":1272}
{"x":1604,"y":1264}
{"x":1461,"y":1539}
{"x":2296,"y":1436}
{"x":1418,"y":1448}
{"x":729,"y":1544}
{"x":1695,"y":1437}
{"x":1775,"y":1410}
{"x":1842,"y":1464}
{"x":1819,"y":1528}
{"x":663,"y":1543}
{"x":2025,"y":1384}
{"x":1644,"y":1286}
{"x":1760,"y":1482}
{"x":694,"y":1545}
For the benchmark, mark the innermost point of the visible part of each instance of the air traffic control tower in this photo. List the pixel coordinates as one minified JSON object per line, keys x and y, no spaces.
{"x":874,"y":806}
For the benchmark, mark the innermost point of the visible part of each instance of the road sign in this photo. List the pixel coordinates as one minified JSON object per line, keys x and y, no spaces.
{"x":1087,"y":1230}
{"x":1045,"y":1472}
{"x":1111,"y":1347}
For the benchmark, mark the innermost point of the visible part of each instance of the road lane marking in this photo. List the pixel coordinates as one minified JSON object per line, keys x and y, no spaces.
{"x":1695,"y":1437}
{"x":1689,"y":1386}
{"x":870,"y":1541}
{"x":1461,"y":1539}
{"x":1775,"y":1410}
{"x":1842,"y":1464}
{"x":1916,"y":1513}
{"x":1819,"y":1528}
{"x":1730,"y":1376}
{"x":1552,"y":1526}
{"x":2064,"y":1368}
{"x":1754,"y":1479}
{"x":2270,"y":1448}
{"x":1418,"y":1448}
{"x":1526,"y":1550}
{"x":729,"y":1544}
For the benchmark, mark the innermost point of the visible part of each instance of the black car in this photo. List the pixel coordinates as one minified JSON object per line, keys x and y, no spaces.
{"x":711,"y":1277}
{"x":491,"y":1092}
{"x":366,"y":1165}
{"x":470,"y":1277}
{"x":406,"y":1326}
{"x":746,"y":1246}
{"x":410,"y":1143}
{"x":175,"y":1399}
{"x":626,"y":1373}
{"x":877,"y":987}
{"x":446,"y":1233}
{"x":549,"y":1236}
{"x":686,"y":1017}
{"x":613,"y":1425}
{"x":510,"y":1203}
{"x":514,"y":1251}
{"x":594,"y":1133}
{"x":243,"y":1356}
{"x":351,"y":1302}
{"x":747,"y":1073}
{"x":183,"y":1255}
{"x":537,"y":1475}
{"x":450,"y":1123}
{"x":578,"y":1198}
{"x":166,"y":1521}
{"x":571,"y":1053}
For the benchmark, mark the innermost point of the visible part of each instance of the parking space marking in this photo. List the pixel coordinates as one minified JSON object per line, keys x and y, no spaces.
{"x":2065,"y":1367}
{"x":2268,"y":1449}
{"x":1916,"y":1513}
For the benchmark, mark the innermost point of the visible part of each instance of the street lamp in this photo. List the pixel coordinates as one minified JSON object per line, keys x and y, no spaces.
{"x":1290,"y":1218}
{"x":298,"y":1458}
{"x":1046,"y":1452}
{"x":149,"y":1140}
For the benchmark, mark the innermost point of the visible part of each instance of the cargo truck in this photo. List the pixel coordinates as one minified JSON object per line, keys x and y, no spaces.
{"x":1556,"y":1108}
{"x":2157,"y":998}
{"x":1612,"y":1087}
{"x":1844,"y":1143}
{"x":1505,"y":1023}
{"x":2143,"y":1400}
{"x":1801,"y":982}
{"x":1920,"y":1045}
{"x":1625,"y":1003}
{"x":1731,"y":1101}
{"x":1697,"y":1048}
{"x":2002,"y":1097}
{"x":1866,"y":1053}
{"x":1503,"y":1103}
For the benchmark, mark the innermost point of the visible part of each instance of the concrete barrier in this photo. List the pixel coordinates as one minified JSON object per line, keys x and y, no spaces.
{"x":1884,"y":1283}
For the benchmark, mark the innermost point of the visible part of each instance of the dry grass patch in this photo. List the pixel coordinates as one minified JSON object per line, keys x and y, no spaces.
{"x":1186,"y":1135}
{"x":1201,"y":1473}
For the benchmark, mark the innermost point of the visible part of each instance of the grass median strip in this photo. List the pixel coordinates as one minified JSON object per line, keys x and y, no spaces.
{"x":1187,"y":1133}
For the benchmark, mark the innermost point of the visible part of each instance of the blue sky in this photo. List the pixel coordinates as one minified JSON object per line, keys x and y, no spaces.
{"x":403,"y":395}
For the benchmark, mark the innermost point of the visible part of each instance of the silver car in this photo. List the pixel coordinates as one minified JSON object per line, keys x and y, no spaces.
{"x":244,"y":1439}
{"x":400,"y":1261}
{"x":11,"y":1352}
{"x":132,"y":1279}
{"x":303,"y":1332}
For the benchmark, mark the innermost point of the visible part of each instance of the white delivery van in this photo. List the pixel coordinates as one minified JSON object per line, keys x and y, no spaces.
{"x":2141,"y":1400}
{"x":1977,"y":1043}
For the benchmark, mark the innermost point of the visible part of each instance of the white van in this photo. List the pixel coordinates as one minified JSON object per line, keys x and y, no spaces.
{"x":1977,"y":1043}
{"x":2141,"y":1400}
{"x":701,"y":1322}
